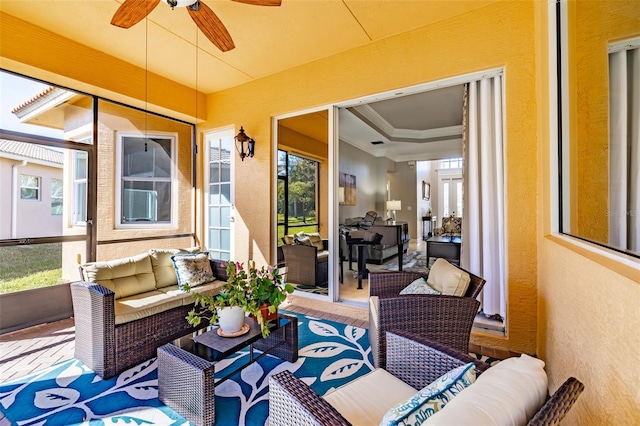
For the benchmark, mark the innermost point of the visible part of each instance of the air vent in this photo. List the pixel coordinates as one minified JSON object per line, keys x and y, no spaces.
{"x":377,"y":143}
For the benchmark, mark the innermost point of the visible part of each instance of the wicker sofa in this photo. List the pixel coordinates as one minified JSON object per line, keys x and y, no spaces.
{"x":414,"y":362}
{"x":124,"y":309}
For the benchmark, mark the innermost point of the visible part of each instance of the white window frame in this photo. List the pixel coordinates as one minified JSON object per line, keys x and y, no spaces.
{"x":76,"y":200}
{"x":120,"y":136}
{"x":38,"y":188}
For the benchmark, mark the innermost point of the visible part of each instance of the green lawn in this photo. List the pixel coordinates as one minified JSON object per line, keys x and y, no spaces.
{"x":27,"y":267}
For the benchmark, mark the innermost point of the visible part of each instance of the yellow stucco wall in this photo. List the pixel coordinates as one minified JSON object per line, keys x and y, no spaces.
{"x":499,"y":35}
{"x":588,"y":320}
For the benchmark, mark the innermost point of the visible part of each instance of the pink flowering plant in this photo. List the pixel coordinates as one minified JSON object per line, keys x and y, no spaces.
{"x":250,"y":288}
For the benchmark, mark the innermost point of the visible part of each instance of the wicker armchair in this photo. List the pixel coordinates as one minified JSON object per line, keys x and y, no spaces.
{"x":292,"y":402}
{"x":445,"y":319}
{"x":306,"y":265}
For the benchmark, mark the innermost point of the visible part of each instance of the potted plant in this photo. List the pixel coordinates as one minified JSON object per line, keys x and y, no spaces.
{"x":267,"y":290}
{"x":252,"y":290}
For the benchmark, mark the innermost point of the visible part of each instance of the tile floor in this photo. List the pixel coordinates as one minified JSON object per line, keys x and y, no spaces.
{"x":34,"y":348}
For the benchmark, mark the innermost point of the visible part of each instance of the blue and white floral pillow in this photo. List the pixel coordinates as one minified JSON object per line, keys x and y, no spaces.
{"x":430,"y":399}
{"x":419,"y":286}
{"x":192,"y":269}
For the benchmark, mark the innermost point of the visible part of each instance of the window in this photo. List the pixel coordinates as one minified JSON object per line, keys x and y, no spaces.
{"x":56,"y":197}
{"x":29,"y":187}
{"x":450,"y":192}
{"x":451,"y":163}
{"x":145,"y":179}
{"x":80,"y":171}
{"x":297,"y":194}
{"x":598,"y":157}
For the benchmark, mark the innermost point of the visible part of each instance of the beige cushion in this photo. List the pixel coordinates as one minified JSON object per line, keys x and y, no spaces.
{"x":365,"y":401}
{"x":508,"y":393}
{"x":448,"y":279}
{"x":144,"y":305}
{"x":212,"y":288}
{"x":373,"y":306}
{"x":323,"y":256}
{"x":316,"y":240}
{"x":163,"y":266}
{"x":288,"y":239}
{"x":125,"y":277}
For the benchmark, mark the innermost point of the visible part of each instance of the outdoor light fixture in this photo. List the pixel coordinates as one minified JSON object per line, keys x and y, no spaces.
{"x":240,"y":139}
{"x":394,"y":205}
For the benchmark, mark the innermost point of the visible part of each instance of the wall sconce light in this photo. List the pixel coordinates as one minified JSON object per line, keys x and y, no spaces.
{"x":240,"y":139}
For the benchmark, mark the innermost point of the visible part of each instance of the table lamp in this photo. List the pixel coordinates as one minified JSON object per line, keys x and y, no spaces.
{"x":393,"y":205}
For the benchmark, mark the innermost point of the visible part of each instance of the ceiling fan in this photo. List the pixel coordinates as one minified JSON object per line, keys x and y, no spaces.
{"x":133,"y":11}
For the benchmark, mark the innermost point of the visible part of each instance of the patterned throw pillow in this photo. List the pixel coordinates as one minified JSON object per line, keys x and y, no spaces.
{"x":302,"y":240}
{"x":419,"y":286}
{"x":432,"y":398}
{"x":192,"y":269}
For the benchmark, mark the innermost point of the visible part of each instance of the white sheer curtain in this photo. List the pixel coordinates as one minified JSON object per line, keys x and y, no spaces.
{"x":624,"y":149}
{"x":483,"y":221}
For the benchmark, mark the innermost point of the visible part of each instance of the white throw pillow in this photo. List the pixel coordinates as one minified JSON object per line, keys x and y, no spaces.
{"x":419,"y":286}
{"x":448,"y":279}
{"x":432,"y":398}
{"x":509,"y":393}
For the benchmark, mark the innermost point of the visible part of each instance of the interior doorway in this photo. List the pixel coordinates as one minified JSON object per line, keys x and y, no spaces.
{"x":376,"y":139}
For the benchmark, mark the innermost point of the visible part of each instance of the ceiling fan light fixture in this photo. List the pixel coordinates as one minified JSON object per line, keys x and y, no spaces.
{"x":179,"y":3}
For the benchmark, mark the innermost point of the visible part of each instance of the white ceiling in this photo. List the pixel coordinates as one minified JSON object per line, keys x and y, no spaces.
{"x":268,"y":40}
{"x":420,"y":126}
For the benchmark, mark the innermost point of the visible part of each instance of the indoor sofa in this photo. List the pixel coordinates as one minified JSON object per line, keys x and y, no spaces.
{"x":124,"y":309}
{"x":427,"y":383}
{"x":376,"y":253}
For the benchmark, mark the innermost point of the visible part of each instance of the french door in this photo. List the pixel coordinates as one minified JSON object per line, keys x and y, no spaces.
{"x":218,"y":198}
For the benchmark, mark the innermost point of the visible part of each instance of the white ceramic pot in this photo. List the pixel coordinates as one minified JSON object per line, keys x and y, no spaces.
{"x":230,"y":319}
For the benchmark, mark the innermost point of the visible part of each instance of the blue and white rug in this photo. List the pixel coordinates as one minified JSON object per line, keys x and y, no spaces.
{"x":68,"y":393}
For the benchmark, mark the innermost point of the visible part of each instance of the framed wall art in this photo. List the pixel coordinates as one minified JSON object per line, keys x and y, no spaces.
{"x":426,"y":190}
{"x":347,"y":186}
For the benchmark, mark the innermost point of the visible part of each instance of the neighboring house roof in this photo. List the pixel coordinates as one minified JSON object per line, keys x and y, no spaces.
{"x":49,"y":98}
{"x":217,"y":154}
{"x":30,"y":151}
{"x":46,"y":108}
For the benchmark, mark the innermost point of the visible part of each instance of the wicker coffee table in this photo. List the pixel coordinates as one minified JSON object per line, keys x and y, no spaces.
{"x":186,"y":379}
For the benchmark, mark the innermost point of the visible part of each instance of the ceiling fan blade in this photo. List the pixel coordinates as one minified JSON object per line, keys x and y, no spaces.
{"x":261,"y":2}
{"x":132,"y":11}
{"x":211,"y":26}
